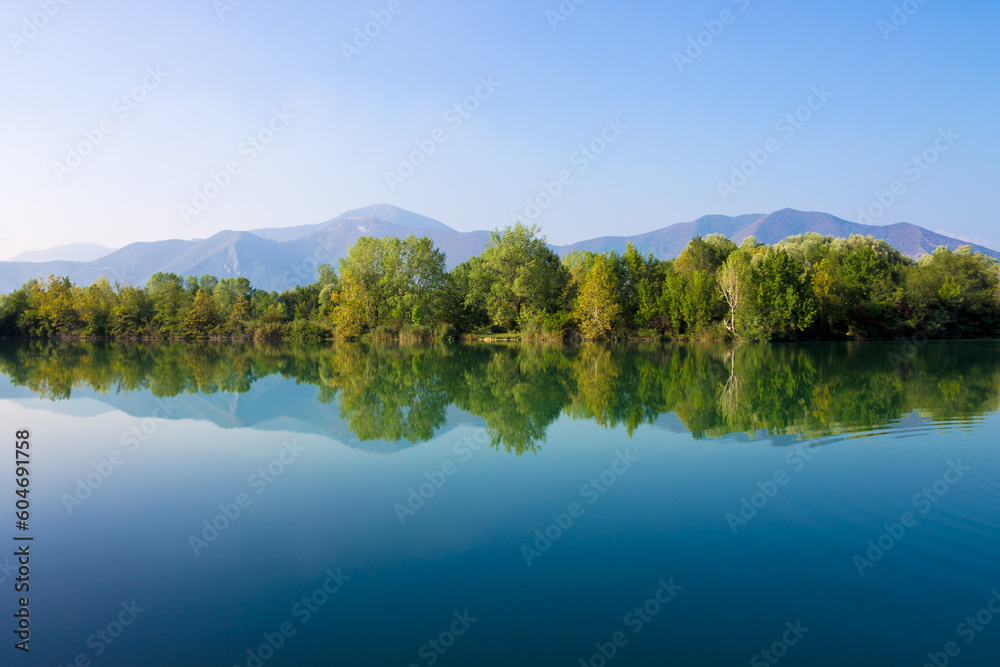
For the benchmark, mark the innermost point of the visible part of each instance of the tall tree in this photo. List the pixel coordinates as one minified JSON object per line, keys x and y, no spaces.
{"x":517,"y":274}
{"x":203,"y":316}
{"x":97,"y":306}
{"x":423,"y":281}
{"x":734,"y":282}
{"x":170,"y":302}
{"x":597,"y":308}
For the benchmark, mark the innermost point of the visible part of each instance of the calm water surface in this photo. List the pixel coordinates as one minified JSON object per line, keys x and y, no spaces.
{"x":479,"y":506}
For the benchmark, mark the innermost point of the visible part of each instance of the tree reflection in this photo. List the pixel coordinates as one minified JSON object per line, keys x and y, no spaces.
{"x":403,"y":393}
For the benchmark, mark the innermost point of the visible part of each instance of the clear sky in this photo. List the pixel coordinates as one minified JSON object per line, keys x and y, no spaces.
{"x":673,"y":127}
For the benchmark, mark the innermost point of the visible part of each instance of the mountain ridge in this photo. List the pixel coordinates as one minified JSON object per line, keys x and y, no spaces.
{"x":71,"y":252}
{"x":280,"y":258}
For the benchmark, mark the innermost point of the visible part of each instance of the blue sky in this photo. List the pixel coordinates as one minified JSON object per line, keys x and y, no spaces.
{"x":330,"y":125}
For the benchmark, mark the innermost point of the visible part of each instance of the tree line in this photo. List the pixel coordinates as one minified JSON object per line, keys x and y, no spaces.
{"x":808,"y":287}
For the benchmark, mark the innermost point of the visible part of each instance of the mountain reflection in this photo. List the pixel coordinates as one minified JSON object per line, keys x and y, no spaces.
{"x":403,"y":393}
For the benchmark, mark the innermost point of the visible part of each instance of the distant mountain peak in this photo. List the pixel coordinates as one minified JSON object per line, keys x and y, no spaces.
{"x":280,"y":258}
{"x":669,"y":242}
{"x":396,"y":216}
{"x":378,"y":212}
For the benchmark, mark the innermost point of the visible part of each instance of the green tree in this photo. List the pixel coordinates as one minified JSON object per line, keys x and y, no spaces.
{"x":423,"y":281}
{"x":373,"y":269}
{"x":783,"y":303}
{"x":517,"y":274}
{"x":170,"y":303}
{"x":228,"y":291}
{"x":133,"y":313}
{"x":203,"y":316}
{"x":597,"y":308}
{"x":954,"y":294}
{"x":97,"y":305}
{"x":57,"y":307}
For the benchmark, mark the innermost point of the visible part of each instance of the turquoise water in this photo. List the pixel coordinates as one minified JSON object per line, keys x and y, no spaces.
{"x":651,"y":505}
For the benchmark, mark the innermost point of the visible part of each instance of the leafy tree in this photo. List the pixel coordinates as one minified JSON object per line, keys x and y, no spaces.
{"x":170,"y":302}
{"x":97,"y":305}
{"x":372,"y":268}
{"x":735,"y":283}
{"x":240,"y":312}
{"x":784,"y":304}
{"x":517,"y":274}
{"x":56,"y":306}
{"x":596,"y":305}
{"x":423,"y":280}
{"x":227,"y":292}
{"x":954,"y":294}
{"x":456,"y":309}
{"x":349,"y":308}
{"x":133,"y":313}
{"x":203,"y":316}
{"x":704,"y":254}
{"x":868,"y":276}
{"x":391,"y":281}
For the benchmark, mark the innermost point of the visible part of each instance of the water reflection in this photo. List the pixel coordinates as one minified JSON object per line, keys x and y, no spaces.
{"x":407,"y":394}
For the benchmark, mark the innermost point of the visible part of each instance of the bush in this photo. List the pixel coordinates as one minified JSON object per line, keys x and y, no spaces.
{"x":546,"y":326}
{"x":446,"y":332}
{"x":271,"y":331}
{"x":312,"y":331}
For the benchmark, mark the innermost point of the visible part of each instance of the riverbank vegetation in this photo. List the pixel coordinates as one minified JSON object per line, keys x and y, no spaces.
{"x":807,"y":287}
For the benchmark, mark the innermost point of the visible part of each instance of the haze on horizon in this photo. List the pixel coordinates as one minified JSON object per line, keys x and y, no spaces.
{"x":166,"y":97}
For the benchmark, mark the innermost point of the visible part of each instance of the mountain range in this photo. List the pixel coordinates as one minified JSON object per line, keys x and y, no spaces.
{"x":280,"y":258}
{"x":73,"y":252}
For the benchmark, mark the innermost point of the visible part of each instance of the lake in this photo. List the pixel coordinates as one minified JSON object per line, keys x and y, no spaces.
{"x":222,"y":505}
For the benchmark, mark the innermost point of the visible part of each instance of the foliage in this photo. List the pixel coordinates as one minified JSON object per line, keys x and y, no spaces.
{"x":596,"y":305}
{"x":808,"y":287}
{"x":516,"y":275}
